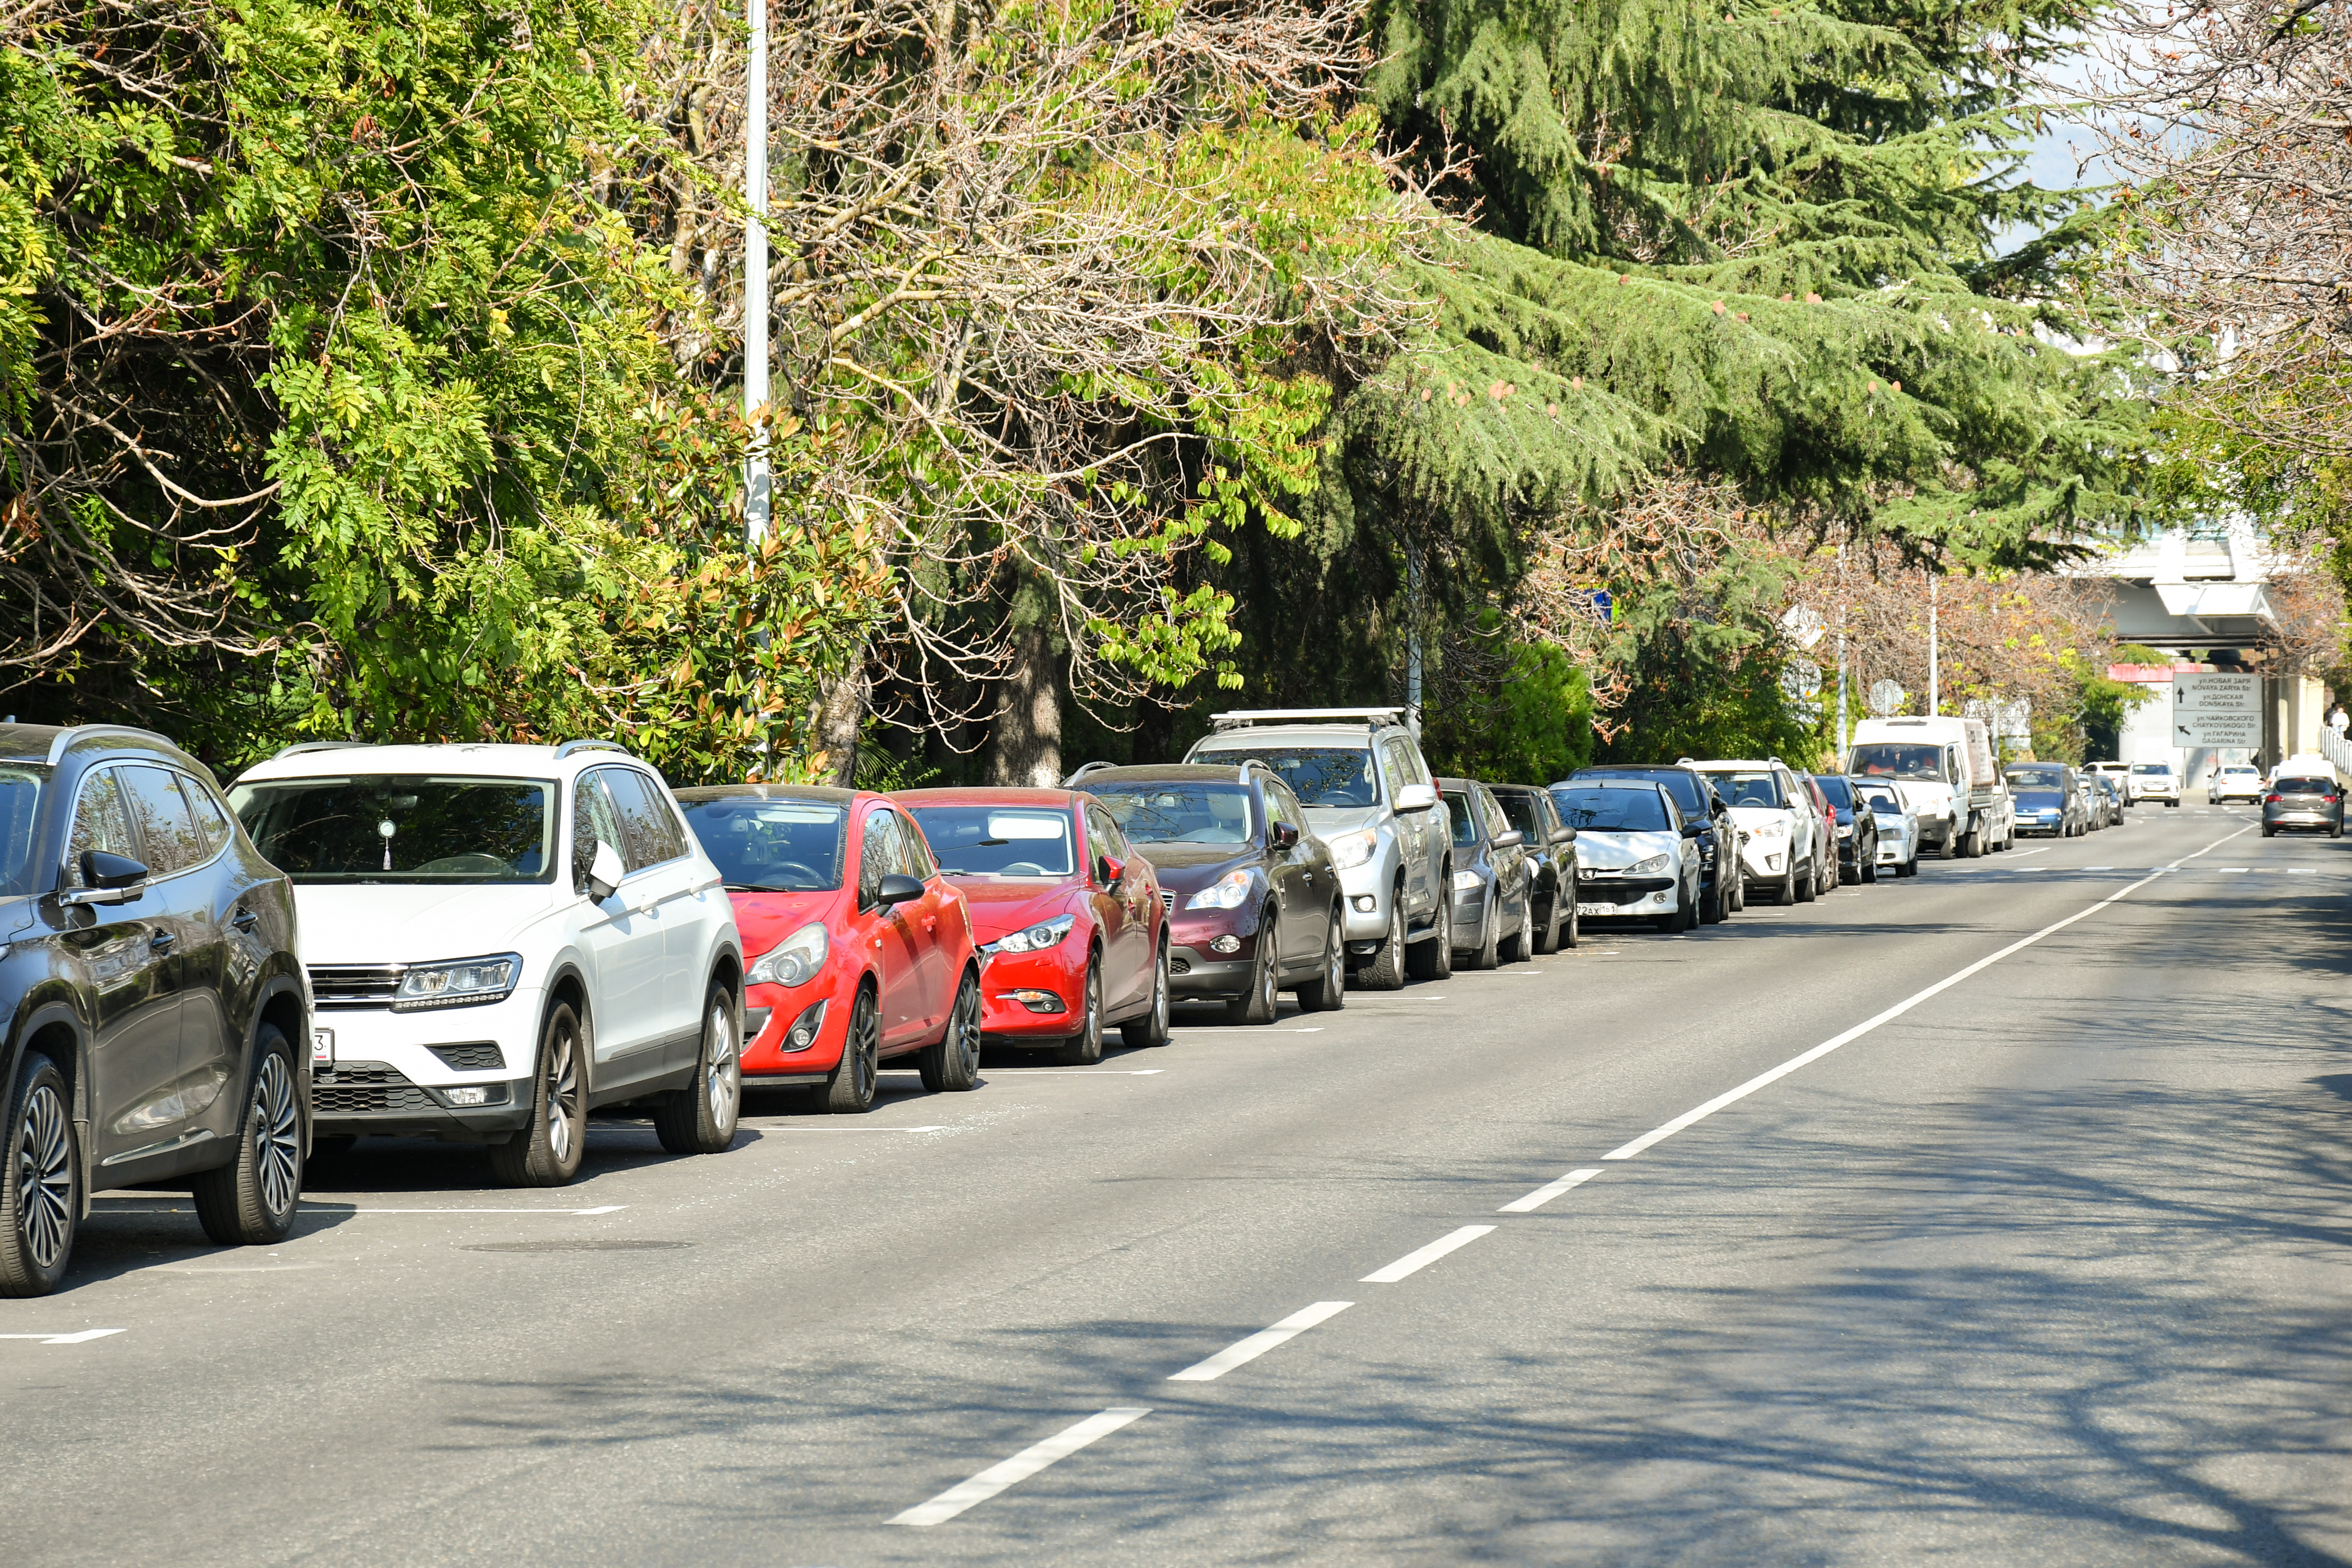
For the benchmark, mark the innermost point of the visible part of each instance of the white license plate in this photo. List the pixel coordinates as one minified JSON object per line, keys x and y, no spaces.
{"x":1602,"y":910}
{"x":322,"y":1048}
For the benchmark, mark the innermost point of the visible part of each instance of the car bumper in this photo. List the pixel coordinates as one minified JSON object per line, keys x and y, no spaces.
{"x":388,"y":1077}
{"x":1365,"y":890}
{"x":1059,"y":974}
{"x":1610,"y":898}
{"x":769,"y":1013}
{"x":1895,"y":850}
{"x":2298,"y":819}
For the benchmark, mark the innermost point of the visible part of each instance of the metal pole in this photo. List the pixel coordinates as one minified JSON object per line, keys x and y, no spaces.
{"x":1413,"y":628}
{"x":1934,"y":694}
{"x":755,"y":276}
{"x":1841,"y":730}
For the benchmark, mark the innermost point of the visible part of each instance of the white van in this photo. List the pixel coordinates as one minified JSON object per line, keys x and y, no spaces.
{"x":1944,"y":770}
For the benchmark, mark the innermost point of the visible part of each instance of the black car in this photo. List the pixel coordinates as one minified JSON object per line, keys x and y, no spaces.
{"x":2309,"y":801}
{"x":1719,"y":839}
{"x":1236,"y":862}
{"x":1551,"y":861}
{"x":1857,"y":832}
{"x":1494,"y":907}
{"x":158,"y":1026}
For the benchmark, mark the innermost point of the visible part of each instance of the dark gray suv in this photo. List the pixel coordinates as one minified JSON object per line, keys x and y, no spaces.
{"x":158,"y":1024}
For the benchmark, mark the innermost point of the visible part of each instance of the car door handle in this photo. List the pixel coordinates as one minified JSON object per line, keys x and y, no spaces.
{"x":160,"y":942}
{"x":930,"y":925}
{"x":245,"y":920}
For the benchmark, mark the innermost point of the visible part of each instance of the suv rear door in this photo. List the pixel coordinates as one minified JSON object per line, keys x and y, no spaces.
{"x":622,"y":934}
{"x":1423,"y":836}
{"x":134,"y":981}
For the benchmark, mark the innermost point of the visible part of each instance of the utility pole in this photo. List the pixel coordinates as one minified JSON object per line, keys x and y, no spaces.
{"x":1934,"y":695}
{"x":755,"y":277}
{"x":1413,"y":635}
{"x":1841,"y":634}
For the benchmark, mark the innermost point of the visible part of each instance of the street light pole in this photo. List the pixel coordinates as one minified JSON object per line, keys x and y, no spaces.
{"x":1841,"y":614}
{"x":1934,"y":695}
{"x":755,"y":276}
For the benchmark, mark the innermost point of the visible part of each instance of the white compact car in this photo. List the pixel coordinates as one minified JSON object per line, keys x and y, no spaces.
{"x":2234,"y":782}
{"x":1898,"y":825}
{"x":500,"y":938}
{"x":1780,"y":832}
{"x":1636,"y":855}
{"x":2152,"y":781}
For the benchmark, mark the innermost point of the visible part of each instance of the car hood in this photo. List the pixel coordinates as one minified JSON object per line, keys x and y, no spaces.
{"x":1604,"y":849}
{"x":764,"y":920}
{"x":1187,"y":868}
{"x":1328,"y":820}
{"x":395,"y":923}
{"x":1754,"y":816}
{"x":999,"y":908}
{"x":1921,"y":793}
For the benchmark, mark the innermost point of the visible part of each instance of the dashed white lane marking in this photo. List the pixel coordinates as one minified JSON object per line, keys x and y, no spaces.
{"x":82,"y":1338}
{"x":2302,"y":870}
{"x":1414,"y":1262}
{"x":767,"y":1128}
{"x":1088,"y":1072}
{"x":1239,"y":1029}
{"x":2227,"y":870}
{"x":1774,"y":1075}
{"x":1020,"y":1467}
{"x":1550,"y":1190}
{"x":1240,"y":1353}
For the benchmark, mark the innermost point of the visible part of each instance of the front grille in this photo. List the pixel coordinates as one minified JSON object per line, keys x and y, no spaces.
{"x":365,"y":1086}
{"x":336,"y":985}
{"x":481,"y":1057}
{"x":1619,"y":890}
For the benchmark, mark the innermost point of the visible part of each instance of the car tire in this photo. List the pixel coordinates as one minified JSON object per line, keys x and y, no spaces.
{"x":2172,"y":802}
{"x":1328,"y":992}
{"x":1147,"y":1033}
{"x":2268,"y":830}
{"x":1909,"y":868}
{"x":1543,"y":935}
{"x":1519,"y":946}
{"x":1710,"y":905}
{"x":1263,"y":998}
{"x":849,"y":1092}
{"x":952,"y":1066}
{"x":1084,"y":1050}
{"x":1386,"y":971}
{"x":40,"y":1185}
{"x":1570,"y":932}
{"x":1809,"y":887}
{"x":1431,"y":958}
{"x":1488,"y":953}
{"x":547,"y":1152}
{"x":1738,"y":891}
{"x":700,"y":1118}
{"x":1869,"y":872}
{"x":250,"y":1201}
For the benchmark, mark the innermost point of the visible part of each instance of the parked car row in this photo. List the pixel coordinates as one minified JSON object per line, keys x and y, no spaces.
{"x":485,"y":943}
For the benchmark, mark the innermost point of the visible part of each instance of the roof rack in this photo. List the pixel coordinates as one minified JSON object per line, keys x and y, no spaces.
{"x":299,"y":747}
{"x":1245,"y":717}
{"x":67,"y":737}
{"x":1095,"y":767}
{"x":569,"y":747}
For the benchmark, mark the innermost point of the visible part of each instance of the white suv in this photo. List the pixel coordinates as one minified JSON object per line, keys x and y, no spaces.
{"x":500,"y":938}
{"x":1781,"y":844}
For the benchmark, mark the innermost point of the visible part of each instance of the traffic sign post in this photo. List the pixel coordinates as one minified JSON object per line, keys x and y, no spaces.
{"x":2216,"y":707}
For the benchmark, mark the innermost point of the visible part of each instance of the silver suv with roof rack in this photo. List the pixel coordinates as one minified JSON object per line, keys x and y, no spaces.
{"x":1367,"y":792}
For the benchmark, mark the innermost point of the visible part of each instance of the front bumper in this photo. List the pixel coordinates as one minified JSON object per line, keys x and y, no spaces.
{"x":1766,"y":860}
{"x":1366,"y":889}
{"x":393,"y":1072}
{"x":1609,"y":897}
{"x":1892,"y":850}
{"x":1060,"y":972}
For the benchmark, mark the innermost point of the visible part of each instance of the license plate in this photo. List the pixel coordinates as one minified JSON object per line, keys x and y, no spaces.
{"x":322,"y":1048}
{"x":1604,"y":909}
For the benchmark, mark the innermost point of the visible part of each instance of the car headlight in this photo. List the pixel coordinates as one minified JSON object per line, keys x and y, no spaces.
{"x":1466,"y":882}
{"x":1033,"y":939}
{"x":1773,"y":830}
{"x":793,"y":961}
{"x":1352,"y":849}
{"x":1650,"y":868}
{"x":1230,"y":892}
{"x":462,"y":982}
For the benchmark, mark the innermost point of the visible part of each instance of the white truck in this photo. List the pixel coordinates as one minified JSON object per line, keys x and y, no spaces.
{"x":1945,"y":771}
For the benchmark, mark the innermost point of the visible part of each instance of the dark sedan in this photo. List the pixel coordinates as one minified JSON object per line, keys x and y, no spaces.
{"x":2313,"y":803}
{"x":1253,"y":898}
{"x":1493,"y":914}
{"x":1551,"y":861}
{"x":1857,"y":831}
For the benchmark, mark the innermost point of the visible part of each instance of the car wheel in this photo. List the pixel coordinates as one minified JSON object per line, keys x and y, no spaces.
{"x":1084,"y":1049}
{"x":1808,"y":887}
{"x":2172,"y":802}
{"x":250,"y":1201}
{"x":1487,"y":954}
{"x":40,"y":1187}
{"x":1711,"y":910}
{"x":1568,"y":930}
{"x":1519,"y":947}
{"x":952,"y":1066}
{"x":2335,"y":828}
{"x":1869,"y":864}
{"x":1738,"y":891}
{"x":1328,"y":992}
{"x":546,"y":1152}
{"x":850,"y":1090}
{"x":1431,"y":958}
{"x":2268,"y":830}
{"x":1909,"y":868}
{"x":1147,"y":1033}
{"x":1386,"y":971}
{"x":1263,"y":998}
{"x":699,"y":1118}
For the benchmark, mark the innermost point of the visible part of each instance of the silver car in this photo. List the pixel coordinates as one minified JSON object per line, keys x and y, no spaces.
{"x":1898,"y":825}
{"x":1367,"y":793}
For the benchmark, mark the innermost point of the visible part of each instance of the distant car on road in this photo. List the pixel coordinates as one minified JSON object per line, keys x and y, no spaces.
{"x":2048,"y":798}
{"x":2306,"y":802}
{"x":2154,"y":781}
{"x":1825,"y":825}
{"x":2235,"y":781}
{"x":1551,"y":861}
{"x":157,"y":1025}
{"x":1898,"y":826}
{"x":1724,"y":889}
{"x":2110,"y":796}
{"x":1493,"y":891}
{"x":1780,"y":832}
{"x":1857,"y":831}
{"x":1637,"y":854}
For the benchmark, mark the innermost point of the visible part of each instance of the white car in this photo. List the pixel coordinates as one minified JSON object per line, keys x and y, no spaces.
{"x":1636,"y":856}
{"x":2152,"y":781}
{"x":1781,"y":844}
{"x":2234,"y":782}
{"x":500,"y":938}
{"x":1898,"y":825}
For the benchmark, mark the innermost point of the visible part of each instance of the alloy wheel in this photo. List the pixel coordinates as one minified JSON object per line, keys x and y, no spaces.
{"x":1158,"y":1003}
{"x":44,"y":1178}
{"x":277,"y":1135}
{"x":864,"y":1049}
{"x":1335,"y":960}
{"x":723,"y":1074}
{"x":562,"y":1094}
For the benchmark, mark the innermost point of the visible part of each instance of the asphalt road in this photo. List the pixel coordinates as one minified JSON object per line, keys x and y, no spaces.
{"x":2043,"y":1258}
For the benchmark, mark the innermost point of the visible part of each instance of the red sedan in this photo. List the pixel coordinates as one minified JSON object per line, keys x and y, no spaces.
{"x":859,"y":949}
{"x":1070,"y":919}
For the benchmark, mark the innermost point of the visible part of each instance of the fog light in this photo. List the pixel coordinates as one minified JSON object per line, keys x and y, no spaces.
{"x":1657,"y":898}
{"x":802,"y":1033}
{"x":1226,"y":944}
{"x":1038,"y":1000}
{"x":1363,"y":902}
{"x":478,"y":1094}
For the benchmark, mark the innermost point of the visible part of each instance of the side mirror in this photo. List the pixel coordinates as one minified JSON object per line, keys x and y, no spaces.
{"x":896,"y":889}
{"x":108,"y":879}
{"x":1416,"y":798}
{"x":1564,"y":835}
{"x":1693,"y":829}
{"x":1283,"y":835}
{"x":605,"y":872}
{"x":1510,"y":840}
{"x":1108,"y":869}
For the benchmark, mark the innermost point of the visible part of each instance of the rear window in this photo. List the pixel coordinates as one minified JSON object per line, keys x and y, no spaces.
{"x":2306,"y":786}
{"x":1612,"y":810}
{"x":772,"y":846}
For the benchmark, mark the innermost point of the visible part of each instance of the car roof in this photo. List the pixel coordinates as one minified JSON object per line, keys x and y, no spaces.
{"x":980,"y":795}
{"x":1163,"y":772}
{"x":49,"y":744}
{"x":826,"y":793}
{"x":1609,"y":784}
{"x":488,"y":758}
{"x":1740,"y":765}
{"x":1253,"y":735}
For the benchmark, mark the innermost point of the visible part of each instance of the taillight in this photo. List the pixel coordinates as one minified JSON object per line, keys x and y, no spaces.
{"x":2270,"y":800}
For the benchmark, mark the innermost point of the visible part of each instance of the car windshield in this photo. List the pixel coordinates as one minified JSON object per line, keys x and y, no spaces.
{"x":1840,"y":793}
{"x":1317,"y":775}
{"x":2037,"y":778}
{"x":20,"y":801}
{"x":998,"y":841}
{"x":2163,"y":769}
{"x":772,"y":846}
{"x":1519,"y":811}
{"x":1612,"y":810}
{"x":1883,"y":800}
{"x":2040,"y":796}
{"x":1178,"y":812}
{"x":1680,"y":785}
{"x":2306,"y":786}
{"x":1751,"y":789}
{"x":1896,"y":761}
{"x":403,"y":828}
{"x":1463,"y":811}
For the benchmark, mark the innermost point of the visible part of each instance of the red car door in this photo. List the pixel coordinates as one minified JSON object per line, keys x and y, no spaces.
{"x":933,"y":923}
{"x":888,"y":935}
{"x":1127,"y":927}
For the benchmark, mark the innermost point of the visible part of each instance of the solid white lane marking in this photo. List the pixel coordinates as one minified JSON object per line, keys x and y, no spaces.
{"x":1020,"y":1467}
{"x":1239,"y":1029}
{"x":2098,"y":867}
{"x":353,"y":1208}
{"x":1088,"y":1072}
{"x":765,"y":1128}
{"x":1414,"y":1262}
{"x":1243,"y":1352}
{"x":1545,"y":1194}
{"x":83,"y":1338}
{"x":1774,"y":1075}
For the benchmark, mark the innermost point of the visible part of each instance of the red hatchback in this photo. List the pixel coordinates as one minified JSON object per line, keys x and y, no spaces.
{"x":1071,"y":921}
{"x":859,"y":949}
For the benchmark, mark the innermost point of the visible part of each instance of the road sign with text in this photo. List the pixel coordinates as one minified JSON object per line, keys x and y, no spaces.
{"x":2216,"y":707}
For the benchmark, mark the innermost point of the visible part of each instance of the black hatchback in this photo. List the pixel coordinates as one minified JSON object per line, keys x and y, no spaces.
{"x":158,"y":1026}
